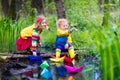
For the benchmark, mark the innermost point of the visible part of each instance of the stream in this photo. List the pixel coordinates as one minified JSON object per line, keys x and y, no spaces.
{"x":25,"y":69}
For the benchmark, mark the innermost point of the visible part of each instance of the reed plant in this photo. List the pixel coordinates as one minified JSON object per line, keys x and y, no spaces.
{"x":107,"y":43}
{"x":9,"y":33}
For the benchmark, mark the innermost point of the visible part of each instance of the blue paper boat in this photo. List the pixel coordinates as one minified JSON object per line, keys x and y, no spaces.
{"x":46,"y":73}
{"x":35,"y":59}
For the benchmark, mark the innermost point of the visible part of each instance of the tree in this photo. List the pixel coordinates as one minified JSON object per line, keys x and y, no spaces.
{"x":38,"y":4}
{"x":11,"y":8}
{"x":18,"y":7}
{"x":5,"y":6}
{"x":60,"y":9}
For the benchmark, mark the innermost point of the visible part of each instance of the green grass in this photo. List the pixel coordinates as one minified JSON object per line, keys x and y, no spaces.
{"x":9,"y":33}
{"x":108,"y":46}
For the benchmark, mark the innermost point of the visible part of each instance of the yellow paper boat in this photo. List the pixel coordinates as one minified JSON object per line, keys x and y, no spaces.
{"x":57,"y":59}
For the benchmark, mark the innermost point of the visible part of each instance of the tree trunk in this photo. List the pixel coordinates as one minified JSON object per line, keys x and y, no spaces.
{"x":5,"y":6}
{"x":12,"y":10}
{"x":18,"y":7}
{"x":38,"y":4}
{"x":60,"y":9}
{"x":106,"y":13}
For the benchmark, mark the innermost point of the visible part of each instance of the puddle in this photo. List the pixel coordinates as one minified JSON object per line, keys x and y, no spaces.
{"x":24,"y":69}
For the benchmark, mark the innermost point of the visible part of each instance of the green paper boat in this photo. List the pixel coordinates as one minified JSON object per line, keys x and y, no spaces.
{"x":44,"y":65}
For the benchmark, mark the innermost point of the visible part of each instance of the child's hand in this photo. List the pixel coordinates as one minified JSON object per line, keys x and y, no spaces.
{"x":40,"y":44}
{"x":34,"y":54}
{"x":75,"y":29}
{"x":66,"y":46}
{"x":47,"y":27}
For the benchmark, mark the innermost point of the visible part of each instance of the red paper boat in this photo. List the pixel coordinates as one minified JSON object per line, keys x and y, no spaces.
{"x":73,"y":69}
{"x":68,"y":60}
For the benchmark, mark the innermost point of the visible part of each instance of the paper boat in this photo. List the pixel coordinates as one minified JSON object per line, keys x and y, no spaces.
{"x":73,"y":69}
{"x":57,"y":59}
{"x":46,"y":73}
{"x":61,"y":71}
{"x":35,"y":59}
{"x":68,"y":61}
{"x":44,"y":65}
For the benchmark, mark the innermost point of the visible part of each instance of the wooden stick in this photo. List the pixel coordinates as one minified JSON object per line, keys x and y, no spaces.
{"x":44,"y":55}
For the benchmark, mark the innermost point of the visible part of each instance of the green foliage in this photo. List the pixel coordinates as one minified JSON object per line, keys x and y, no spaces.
{"x":48,"y":36}
{"x":27,"y":11}
{"x":9,"y":32}
{"x":107,"y":43}
{"x":104,"y":41}
{"x":49,"y":7}
{"x":48,"y":39}
{"x":79,"y":12}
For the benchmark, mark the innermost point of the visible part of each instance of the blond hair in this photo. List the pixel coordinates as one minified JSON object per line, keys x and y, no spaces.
{"x":60,"y":21}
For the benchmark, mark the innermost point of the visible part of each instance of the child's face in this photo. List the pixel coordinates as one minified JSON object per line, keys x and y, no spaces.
{"x":43,"y":25}
{"x":64,"y":26}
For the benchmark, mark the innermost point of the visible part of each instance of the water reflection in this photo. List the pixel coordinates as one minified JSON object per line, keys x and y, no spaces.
{"x":48,"y":70}
{"x":58,"y":70}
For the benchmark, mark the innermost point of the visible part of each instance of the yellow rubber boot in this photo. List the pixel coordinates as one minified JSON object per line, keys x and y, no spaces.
{"x":58,"y":51}
{"x":71,"y":52}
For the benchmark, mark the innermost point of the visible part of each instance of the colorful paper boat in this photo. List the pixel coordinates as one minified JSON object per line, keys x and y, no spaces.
{"x":68,"y":61}
{"x":57,"y":59}
{"x":61,"y":71}
{"x":73,"y":69}
{"x":46,"y":73}
{"x":35,"y":59}
{"x":44,"y":65}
